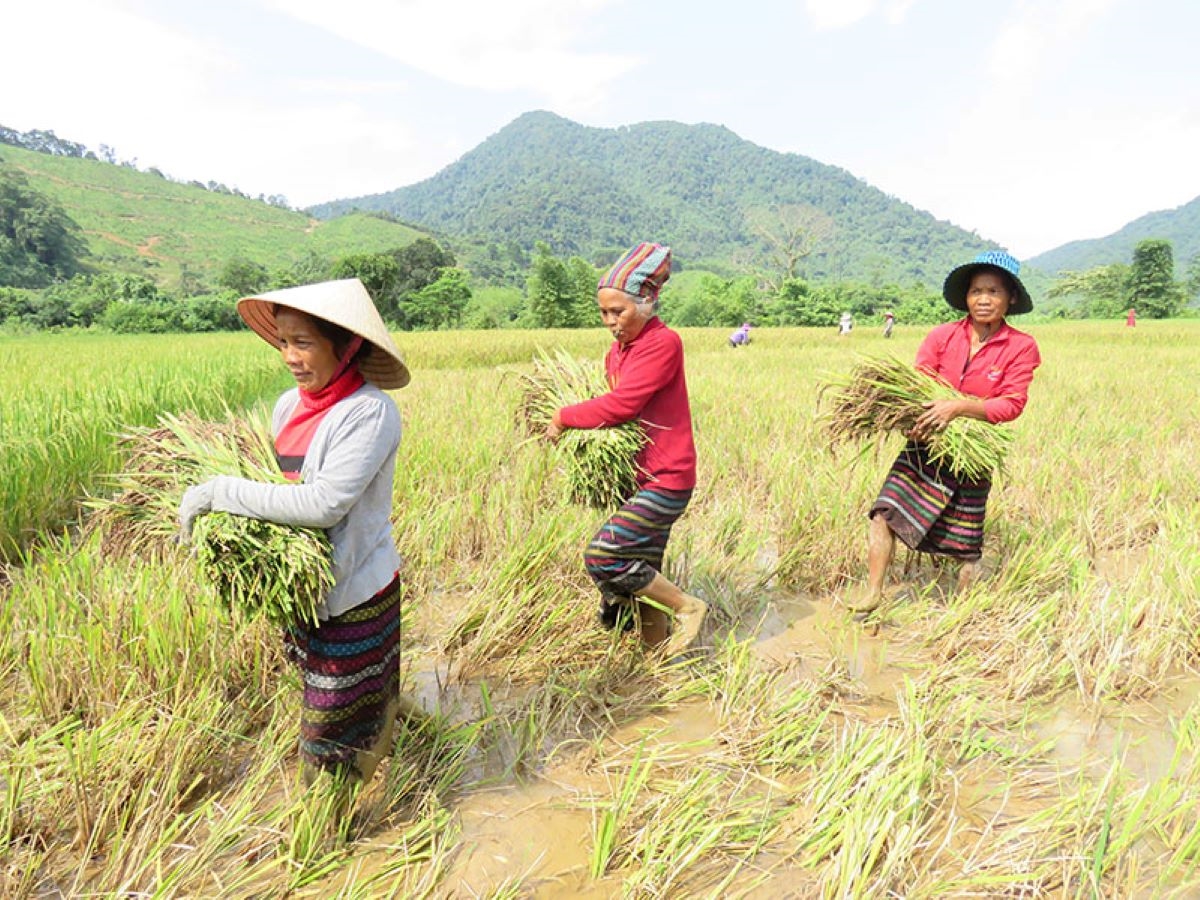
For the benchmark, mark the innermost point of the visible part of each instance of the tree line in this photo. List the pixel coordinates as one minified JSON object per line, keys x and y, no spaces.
{"x":47,"y":281}
{"x":1147,"y":284}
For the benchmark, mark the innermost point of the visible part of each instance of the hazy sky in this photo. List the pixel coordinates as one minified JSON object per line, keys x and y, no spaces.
{"x":1030,"y":122}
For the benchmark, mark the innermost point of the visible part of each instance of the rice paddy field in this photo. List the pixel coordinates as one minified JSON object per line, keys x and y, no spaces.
{"x":1035,"y":736}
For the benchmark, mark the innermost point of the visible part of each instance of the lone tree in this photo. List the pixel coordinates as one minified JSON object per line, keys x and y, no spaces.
{"x":790,"y":233}
{"x":1153,"y":291}
{"x":1104,"y":289}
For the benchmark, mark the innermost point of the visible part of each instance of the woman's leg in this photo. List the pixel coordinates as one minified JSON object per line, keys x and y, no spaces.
{"x":687,"y":615}
{"x":625,"y":558}
{"x":881,"y":548}
{"x":351,"y":670}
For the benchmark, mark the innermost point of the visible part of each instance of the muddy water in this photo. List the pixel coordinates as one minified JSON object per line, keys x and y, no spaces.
{"x":811,"y":633}
{"x":537,"y":830}
{"x":539,"y":833}
{"x":1138,"y":734}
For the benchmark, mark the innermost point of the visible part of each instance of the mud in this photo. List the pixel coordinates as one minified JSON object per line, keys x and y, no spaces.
{"x":539,"y":833}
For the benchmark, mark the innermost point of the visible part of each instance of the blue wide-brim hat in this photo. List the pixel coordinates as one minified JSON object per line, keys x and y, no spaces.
{"x":954,"y":289}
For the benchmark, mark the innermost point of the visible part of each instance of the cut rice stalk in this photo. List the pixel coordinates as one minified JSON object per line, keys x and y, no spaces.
{"x":882,"y":395}
{"x":599,"y":463}
{"x":257,"y":567}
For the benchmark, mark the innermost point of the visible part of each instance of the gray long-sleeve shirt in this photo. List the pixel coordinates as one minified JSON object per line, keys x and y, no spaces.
{"x":345,"y":487}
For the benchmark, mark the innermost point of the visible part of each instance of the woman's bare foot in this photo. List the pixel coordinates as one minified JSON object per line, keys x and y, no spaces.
{"x":863,"y":598}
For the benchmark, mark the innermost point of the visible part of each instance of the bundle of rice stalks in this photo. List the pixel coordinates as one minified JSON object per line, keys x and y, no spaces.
{"x":258,"y":568}
{"x":599,"y":463}
{"x":882,"y":395}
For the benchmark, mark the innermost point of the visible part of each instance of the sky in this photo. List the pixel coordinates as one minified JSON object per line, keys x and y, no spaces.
{"x":1029,"y":122}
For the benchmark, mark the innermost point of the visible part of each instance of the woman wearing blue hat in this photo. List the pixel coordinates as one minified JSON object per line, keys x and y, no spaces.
{"x":925,"y":505}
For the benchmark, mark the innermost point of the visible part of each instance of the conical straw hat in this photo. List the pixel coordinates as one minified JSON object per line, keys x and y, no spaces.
{"x":345,"y":303}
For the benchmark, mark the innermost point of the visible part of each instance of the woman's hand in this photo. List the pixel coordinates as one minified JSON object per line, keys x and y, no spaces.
{"x":936,"y":416}
{"x":555,"y":429}
{"x":197,"y":500}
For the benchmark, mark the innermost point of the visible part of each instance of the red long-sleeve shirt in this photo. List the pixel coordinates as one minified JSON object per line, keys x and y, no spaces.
{"x":647,"y":384}
{"x":999,"y":374}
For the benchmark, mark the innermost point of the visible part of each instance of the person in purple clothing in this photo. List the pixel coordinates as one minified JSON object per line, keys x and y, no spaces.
{"x":741,"y":336}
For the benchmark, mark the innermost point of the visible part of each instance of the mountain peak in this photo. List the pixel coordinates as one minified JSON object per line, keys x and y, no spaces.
{"x":700,"y":187}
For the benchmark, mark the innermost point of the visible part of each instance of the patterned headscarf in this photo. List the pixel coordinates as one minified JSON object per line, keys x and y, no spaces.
{"x":641,"y":272}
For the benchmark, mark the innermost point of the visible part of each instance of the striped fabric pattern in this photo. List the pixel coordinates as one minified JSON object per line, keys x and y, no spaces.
{"x":627,"y":552}
{"x":930,"y":509}
{"x":350,"y":665}
{"x":642,"y":271}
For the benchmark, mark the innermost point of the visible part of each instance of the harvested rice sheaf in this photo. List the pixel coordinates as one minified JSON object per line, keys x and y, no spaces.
{"x":599,"y":463}
{"x":257,"y":567}
{"x":882,"y":395}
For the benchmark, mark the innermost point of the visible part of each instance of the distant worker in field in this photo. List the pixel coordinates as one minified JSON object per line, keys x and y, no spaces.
{"x":929,"y":508}
{"x":845,"y":324}
{"x":1131,"y":318}
{"x":336,"y":436}
{"x":740,"y":336}
{"x":645,"y":373}
{"x":889,"y":322}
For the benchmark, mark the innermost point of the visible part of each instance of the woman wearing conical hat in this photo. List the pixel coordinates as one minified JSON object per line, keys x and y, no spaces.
{"x":924,"y":504}
{"x":644,"y":368}
{"x":336,"y":435}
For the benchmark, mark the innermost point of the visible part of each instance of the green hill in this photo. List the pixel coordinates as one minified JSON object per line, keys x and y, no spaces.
{"x":1180,"y":226}
{"x":142,"y":222}
{"x":701,"y":188}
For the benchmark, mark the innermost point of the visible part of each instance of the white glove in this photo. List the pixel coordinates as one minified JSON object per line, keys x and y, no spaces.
{"x":197,"y":500}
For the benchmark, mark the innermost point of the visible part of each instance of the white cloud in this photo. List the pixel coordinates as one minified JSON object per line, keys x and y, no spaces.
{"x":280,"y":150}
{"x":1078,"y":174}
{"x":168,"y":100}
{"x":1037,"y":37}
{"x":532,"y":45}
{"x":80,"y":62}
{"x":828,"y":15}
{"x":897,"y":10}
{"x":349,"y":87}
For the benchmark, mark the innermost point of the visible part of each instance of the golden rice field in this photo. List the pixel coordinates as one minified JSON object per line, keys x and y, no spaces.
{"x":1036,"y":736}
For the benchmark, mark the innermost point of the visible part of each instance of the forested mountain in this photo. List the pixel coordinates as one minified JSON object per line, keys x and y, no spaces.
{"x":719,"y":200}
{"x":1180,"y":226}
{"x":179,"y":235}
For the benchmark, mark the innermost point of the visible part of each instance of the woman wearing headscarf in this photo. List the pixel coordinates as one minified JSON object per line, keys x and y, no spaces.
{"x":924,"y":504}
{"x":336,"y":436}
{"x":645,"y":374}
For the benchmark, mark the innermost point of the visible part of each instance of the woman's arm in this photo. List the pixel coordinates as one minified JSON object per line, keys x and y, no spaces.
{"x":357,"y":450}
{"x":641,"y":378}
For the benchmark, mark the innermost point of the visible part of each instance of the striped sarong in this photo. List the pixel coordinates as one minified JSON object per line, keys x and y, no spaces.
{"x":627,"y":552}
{"x":930,"y":509}
{"x":351,"y":670}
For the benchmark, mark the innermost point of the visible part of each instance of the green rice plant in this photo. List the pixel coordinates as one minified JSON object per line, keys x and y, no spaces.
{"x":768,"y":717}
{"x":258,"y":568}
{"x":883,"y":395}
{"x":57,"y":429}
{"x":181,"y":720}
{"x":870,"y":809}
{"x":609,"y":821}
{"x":599,"y":463}
{"x":696,"y":832}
